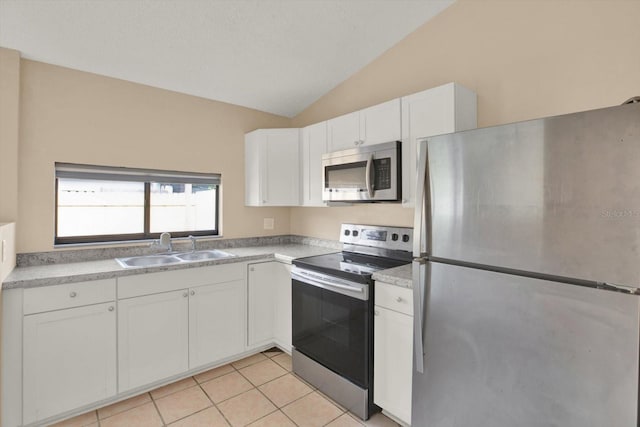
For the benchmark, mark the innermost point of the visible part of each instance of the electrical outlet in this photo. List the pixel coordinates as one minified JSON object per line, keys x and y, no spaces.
{"x":269,"y":223}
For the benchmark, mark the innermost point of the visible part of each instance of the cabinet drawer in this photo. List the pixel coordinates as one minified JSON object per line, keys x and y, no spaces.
{"x":394,"y":297}
{"x":166,"y":281}
{"x":37,"y":300}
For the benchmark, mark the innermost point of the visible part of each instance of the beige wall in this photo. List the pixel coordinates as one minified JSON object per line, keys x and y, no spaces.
{"x":9,"y":107}
{"x":78,"y":117}
{"x":524,"y":59}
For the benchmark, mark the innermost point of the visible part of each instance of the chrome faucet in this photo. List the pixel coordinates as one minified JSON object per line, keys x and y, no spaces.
{"x":193,"y":243}
{"x":165,"y":241}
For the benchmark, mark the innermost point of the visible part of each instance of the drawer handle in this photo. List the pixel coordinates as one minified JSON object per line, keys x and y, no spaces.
{"x":111,"y":308}
{"x":185,"y":294}
{"x":399,"y":299}
{"x":73,"y":294}
{"x":193,"y":293}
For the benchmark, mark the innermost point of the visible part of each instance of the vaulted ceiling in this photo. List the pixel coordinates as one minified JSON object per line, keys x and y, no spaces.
{"x":277,"y":56}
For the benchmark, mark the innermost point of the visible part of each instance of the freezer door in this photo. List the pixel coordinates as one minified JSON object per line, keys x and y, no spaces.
{"x":559,"y":196}
{"x":504,"y":350}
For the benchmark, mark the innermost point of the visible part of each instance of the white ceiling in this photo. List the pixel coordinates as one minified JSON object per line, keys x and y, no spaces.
{"x":272,"y":55}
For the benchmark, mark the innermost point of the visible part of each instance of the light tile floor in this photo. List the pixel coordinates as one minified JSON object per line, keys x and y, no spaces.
{"x":257,"y":391}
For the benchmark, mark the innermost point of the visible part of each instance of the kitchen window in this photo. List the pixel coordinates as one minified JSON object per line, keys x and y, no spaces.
{"x":103,"y":204}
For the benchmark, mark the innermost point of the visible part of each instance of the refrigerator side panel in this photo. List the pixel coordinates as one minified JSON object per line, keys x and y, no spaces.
{"x":559,"y":196}
{"x":504,"y":350}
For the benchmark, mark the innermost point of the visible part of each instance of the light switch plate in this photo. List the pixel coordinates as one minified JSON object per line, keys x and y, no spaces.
{"x":269,"y":223}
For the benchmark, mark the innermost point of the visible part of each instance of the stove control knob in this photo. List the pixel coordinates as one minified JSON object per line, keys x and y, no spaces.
{"x":355,"y":233}
{"x":394,"y":236}
{"x":347,"y":232}
{"x":405,"y":238}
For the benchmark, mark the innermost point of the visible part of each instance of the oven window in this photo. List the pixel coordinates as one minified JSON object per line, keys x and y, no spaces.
{"x":352,"y":175}
{"x":333,"y":329}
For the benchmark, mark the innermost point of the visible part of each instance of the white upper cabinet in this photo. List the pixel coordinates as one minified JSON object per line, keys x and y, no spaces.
{"x":443,"y":109}
{"x":313,"y":146}
{"x":344,"y":132}
{"x":373,"y":125}
{"x":381,"y":123}
{"x":272,"y":167}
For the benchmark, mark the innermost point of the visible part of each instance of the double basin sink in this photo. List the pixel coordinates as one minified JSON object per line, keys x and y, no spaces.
{"x":171,"y":258}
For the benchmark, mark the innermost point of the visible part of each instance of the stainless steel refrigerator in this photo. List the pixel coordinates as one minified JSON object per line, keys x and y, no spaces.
{"x":527,"y":264}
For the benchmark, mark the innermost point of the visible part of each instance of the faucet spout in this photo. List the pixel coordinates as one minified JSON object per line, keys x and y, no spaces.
{"x":165,"y":241}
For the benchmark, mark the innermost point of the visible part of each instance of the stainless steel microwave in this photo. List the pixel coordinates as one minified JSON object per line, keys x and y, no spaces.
{"x":370,"y":173}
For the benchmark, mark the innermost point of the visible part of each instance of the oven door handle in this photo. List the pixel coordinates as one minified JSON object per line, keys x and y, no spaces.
{"x":354,"y":291}
{"x":369,"y":180}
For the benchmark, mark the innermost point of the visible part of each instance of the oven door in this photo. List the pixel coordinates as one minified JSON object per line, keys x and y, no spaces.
{"x":333,"y":323}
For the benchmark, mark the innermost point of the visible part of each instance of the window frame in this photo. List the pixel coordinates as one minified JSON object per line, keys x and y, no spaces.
{"x":146,"y":234}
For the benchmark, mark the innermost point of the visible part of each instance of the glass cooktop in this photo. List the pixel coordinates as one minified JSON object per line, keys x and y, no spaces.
{"x":348,"y":265}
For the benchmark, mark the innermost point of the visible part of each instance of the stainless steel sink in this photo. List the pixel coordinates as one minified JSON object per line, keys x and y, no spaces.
{"x":204,"y":255}
{"x":168,"y":259}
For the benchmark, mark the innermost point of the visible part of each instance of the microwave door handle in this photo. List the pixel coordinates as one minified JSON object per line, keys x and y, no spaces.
{"x":369,"y":179}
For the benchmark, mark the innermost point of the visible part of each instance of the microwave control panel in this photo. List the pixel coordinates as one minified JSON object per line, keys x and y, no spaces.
{"x":382,"y":168}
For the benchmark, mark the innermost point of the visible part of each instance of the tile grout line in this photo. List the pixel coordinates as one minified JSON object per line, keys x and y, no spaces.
{"x":211,"y":400}
{"x":158,"y":410}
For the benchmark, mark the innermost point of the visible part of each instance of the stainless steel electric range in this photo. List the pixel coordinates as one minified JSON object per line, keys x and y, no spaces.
{"x":332,"y":302}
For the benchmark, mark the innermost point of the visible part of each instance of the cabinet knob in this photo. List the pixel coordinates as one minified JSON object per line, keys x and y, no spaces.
{"x":252,"y":269}
{"x":376,"y":312}
{"x":73,"y":294}
{"x":356,"y":142}
{"x":399,"y":299}
{"x":111,"y":308}
{"x":193,"y":292}
{"x":264,"y":200}
{"x":185,"y":294}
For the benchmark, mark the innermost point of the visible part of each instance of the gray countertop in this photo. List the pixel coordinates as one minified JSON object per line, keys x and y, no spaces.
{"x":56,"y":274}
{"x":399,"y":276}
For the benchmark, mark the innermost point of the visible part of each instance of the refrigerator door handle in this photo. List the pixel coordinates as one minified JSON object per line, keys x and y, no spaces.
{"x":421,"y":196}
{"x":419,"y":284}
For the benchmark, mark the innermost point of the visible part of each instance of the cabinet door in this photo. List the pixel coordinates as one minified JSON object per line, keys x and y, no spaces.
{"x":392,"y":369}
{"x":281,"y":179}
{"x":344,"y":131}
{"x":252,"y":169}
{"x":282,"y":315}
{"x":69,"y":359}
{"x":217,"y":324}
{"x":428,"y":113}
{"x":261,"y":303}
{"x":314,"y":145}
{"x":153,"y":338}
{"x":381,"y":123}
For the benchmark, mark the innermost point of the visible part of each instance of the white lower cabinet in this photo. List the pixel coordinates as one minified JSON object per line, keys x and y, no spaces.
{"x":69,"y":359}
{"x":269,"y":304}
{"x":393,"y":350}
{"x":75,"y":345}
{"x":153,"y":338}
{"x":260,"y":303}
{"x":282,"y":306}
{"x":216,"y":322}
